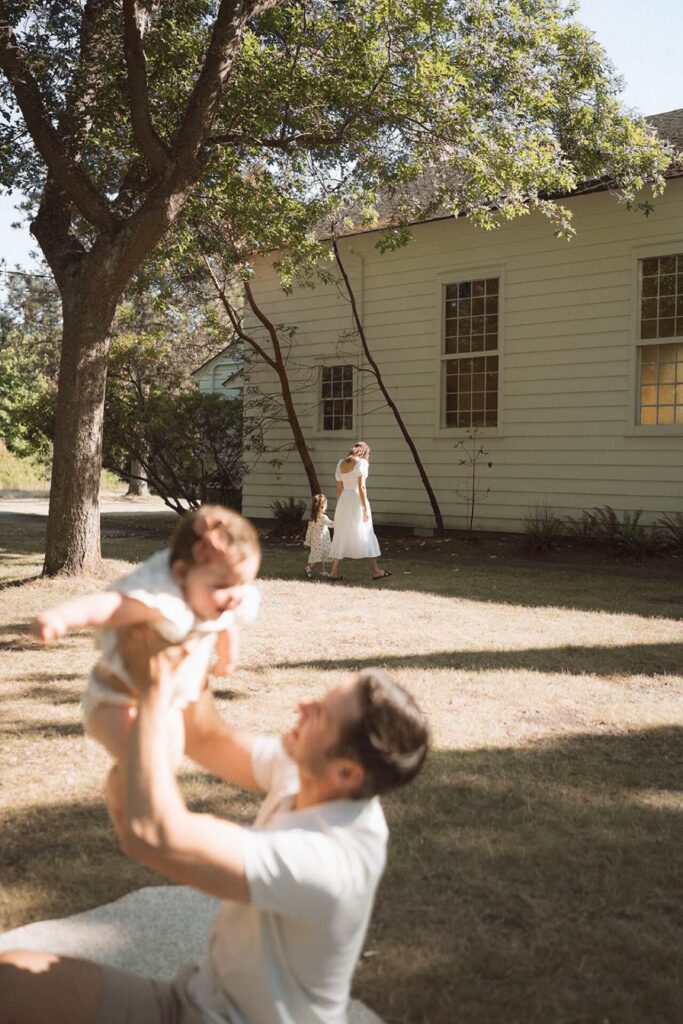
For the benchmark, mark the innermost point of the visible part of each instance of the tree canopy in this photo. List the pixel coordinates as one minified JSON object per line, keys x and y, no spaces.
{"x":128,"y":124}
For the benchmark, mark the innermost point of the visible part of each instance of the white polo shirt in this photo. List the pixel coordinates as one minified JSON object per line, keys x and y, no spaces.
{"x":288,"y":956}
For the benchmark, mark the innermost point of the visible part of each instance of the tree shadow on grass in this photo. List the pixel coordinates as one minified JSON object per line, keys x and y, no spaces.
{"x":61,"y":859}
{"x":534,"y":885}
{"x":620,"y":588}
{"x":40,"y":730}
{"x":626,"y":659}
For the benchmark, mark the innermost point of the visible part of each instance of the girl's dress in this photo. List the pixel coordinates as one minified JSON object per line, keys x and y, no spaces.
{"x":318,"y":539}
{"x":352,"y":537}
{"x":153,"y":584}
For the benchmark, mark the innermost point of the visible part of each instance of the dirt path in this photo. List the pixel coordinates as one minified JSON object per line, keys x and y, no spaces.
{"x":32,"y":503}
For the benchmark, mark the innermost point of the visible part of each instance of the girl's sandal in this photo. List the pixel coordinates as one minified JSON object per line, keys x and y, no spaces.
{"x":385,"y":576}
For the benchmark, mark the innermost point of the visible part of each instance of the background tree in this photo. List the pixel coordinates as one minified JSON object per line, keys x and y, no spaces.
{"x":279,"y":111}
{"x":190,"y":445}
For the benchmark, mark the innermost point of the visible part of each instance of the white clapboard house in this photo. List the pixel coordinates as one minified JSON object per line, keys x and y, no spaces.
{"x":567,"y":357}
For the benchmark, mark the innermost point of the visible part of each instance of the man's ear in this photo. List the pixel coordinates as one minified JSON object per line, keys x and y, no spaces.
{"x":349,"y":775}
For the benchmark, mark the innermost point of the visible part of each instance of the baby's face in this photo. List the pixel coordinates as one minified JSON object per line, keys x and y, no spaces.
{"x":216,"y":587}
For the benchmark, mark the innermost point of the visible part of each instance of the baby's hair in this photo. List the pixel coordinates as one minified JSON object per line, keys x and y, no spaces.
{"x":318,"y":506}
{"x":360,"y":450}
{"x":211,"y":533}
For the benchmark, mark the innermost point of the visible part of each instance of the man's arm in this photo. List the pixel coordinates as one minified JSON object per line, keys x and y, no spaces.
{"x":155,"y":826}
{"x":211,"y":743}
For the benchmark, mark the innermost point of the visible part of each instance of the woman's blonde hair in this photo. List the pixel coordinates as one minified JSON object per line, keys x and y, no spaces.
{"x":360,"y":450}
{"x":318,"y":506}
{"x":212,"y":533}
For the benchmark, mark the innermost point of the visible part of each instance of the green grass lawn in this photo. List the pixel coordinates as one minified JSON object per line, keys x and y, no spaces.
{"x":534,"y":869}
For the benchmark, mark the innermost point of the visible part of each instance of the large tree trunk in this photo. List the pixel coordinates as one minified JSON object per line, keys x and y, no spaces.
{"x":73,"y":527}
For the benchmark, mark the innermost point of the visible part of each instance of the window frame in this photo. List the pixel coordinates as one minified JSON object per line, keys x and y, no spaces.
{"x":458,"y":274}
{"x":667,"y":247}
{"x":319,"y":429}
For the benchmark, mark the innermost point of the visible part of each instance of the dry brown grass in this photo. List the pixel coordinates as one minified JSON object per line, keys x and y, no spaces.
{"x":534,"y":867}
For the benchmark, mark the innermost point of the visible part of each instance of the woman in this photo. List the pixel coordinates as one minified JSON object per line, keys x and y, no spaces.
{"x":353,"y":533}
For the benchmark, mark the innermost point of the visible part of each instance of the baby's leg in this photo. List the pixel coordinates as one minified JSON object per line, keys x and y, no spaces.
{"x":110,"y":725}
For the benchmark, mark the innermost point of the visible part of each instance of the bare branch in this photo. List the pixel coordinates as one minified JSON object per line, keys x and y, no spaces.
{"x":63,"y":168}
{"x":152,"y":146}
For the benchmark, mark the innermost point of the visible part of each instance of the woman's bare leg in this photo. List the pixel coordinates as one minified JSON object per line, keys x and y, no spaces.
{"x":334,"y":571}
{"x":376,"y":570}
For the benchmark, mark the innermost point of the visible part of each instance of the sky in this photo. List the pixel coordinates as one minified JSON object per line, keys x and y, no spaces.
{"x":642,"y":37}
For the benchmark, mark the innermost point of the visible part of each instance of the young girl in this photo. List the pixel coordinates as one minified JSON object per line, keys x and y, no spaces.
{"x":318,"y":535}
{"x":201,"y":590}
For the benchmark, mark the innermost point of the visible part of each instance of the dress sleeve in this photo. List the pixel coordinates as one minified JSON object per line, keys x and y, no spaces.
{"x":363,"y":468}
{"x":327,"y":521}
{"x":337,"y":472}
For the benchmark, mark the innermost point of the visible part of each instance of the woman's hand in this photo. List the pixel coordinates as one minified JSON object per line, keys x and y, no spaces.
{"x":366,"y":516}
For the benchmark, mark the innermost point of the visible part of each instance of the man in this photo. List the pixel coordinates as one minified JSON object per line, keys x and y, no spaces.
{"x":297,"y":888}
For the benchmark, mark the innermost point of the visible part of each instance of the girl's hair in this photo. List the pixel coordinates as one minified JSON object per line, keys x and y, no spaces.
{"x":212,"y":533}
{"x":318,"y":506}
{"x":360,"y":450}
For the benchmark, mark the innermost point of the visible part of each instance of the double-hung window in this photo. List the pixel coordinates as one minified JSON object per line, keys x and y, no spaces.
{"x":336,"y":397}
{"x":659,"y":354}
{"x":470,"y":354}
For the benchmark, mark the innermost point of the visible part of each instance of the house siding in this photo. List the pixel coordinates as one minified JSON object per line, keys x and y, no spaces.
{"x":566,"y":433}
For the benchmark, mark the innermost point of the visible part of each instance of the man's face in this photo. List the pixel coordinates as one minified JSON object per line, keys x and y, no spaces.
{"x":318,"y":727}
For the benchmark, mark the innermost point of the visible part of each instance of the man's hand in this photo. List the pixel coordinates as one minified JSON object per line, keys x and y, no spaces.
{"x":150,"y":660}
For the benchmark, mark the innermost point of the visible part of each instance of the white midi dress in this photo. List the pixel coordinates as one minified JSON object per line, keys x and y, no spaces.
{"x":352,"y":537}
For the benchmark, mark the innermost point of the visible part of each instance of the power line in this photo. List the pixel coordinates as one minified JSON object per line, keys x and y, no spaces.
{"x":24,"y":273}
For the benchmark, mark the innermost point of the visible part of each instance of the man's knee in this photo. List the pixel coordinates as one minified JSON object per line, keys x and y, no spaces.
{"x":26,"y":960}
{"x":41,"y":987}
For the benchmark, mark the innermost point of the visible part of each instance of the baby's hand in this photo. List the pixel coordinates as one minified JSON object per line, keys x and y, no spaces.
{"x":49,"y":626}
{"x":224,"y":667}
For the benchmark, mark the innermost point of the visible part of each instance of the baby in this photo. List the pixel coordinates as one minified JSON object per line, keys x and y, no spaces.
{"x":201,"y":590}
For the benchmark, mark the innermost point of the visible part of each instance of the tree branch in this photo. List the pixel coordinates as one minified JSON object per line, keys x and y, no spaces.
{"x":152,"y":146}
{"x":66,"y":172}
{"x":231,"y":21}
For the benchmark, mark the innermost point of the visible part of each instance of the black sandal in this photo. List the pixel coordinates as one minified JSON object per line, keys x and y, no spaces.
{"x":385,"y":576}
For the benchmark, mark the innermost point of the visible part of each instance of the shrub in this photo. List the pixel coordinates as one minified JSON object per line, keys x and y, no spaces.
{"x":543,"y":527}
{"x":288,"y":515}
{"x":602,"y":526}
{"x":669,"y":529}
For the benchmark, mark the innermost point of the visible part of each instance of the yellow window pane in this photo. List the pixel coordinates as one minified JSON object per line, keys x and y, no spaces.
{"x":648,"y":396}
{"x":679,"y":414}
{"x":679,"y":395}
{"x":667,"y":373}
{"x":666,"y":394}
{"x":648,"y":415}
{"x":666,"y":414}
{"x":648,"y":373}
{"x":667,"y":353}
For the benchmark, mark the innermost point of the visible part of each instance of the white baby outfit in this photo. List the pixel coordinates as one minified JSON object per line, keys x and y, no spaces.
{"x":318,"y":539}
{"x":353,"y":538}
{"x":152,"y":583}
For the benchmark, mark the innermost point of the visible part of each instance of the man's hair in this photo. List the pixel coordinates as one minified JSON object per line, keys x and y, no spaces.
{"x":389,"y":738}
{"x":213,"y":533}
